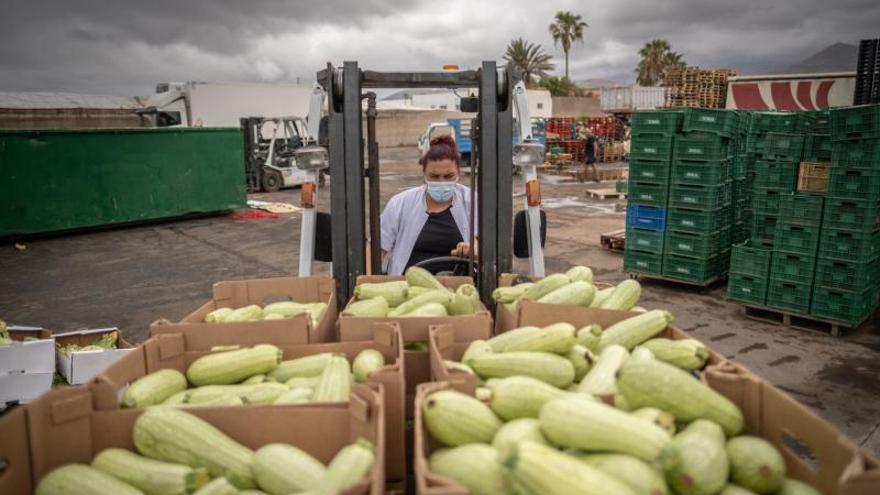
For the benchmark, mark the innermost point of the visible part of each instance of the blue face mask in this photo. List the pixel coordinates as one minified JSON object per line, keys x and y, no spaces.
{"x":441,"y":192}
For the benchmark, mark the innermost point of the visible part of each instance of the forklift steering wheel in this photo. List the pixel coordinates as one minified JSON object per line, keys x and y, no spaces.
{"x":460,"y":266}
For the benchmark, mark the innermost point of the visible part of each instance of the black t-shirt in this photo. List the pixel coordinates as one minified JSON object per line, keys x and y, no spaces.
{"x":438,"y":238}
{"x":589,"y":143}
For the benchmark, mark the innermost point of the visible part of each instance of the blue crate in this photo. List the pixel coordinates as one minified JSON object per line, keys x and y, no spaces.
{"x":646,"y":217}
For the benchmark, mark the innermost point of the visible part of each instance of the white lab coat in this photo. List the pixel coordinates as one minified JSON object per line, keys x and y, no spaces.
{"x":404,"y":217}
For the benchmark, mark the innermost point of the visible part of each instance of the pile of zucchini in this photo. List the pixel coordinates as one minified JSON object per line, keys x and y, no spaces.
{"x":421,"y":294}
{"x":254,"y":375}
{"x":179,"y":454}
{"x":574,"y":287}
{"x":542,"y":423}
{"x":274,"y":311}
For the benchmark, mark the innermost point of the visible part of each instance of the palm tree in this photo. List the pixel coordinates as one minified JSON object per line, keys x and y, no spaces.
{"x":567,"y":29}
{"x":560,"y":86}
{"x":657,"y":58}
{"x":529,"y":58}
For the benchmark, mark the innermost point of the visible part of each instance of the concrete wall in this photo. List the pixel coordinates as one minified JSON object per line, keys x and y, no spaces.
{"x":540,"y":103}
{"x":574,"y":106}
{"x":403,"y":127}
{"x":67,"y":118}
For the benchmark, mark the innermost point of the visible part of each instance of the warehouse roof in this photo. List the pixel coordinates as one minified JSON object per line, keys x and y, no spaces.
{"x":66,"y":100}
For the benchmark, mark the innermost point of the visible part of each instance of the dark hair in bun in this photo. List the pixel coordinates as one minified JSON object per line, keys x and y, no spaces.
{"x":442,"y":148}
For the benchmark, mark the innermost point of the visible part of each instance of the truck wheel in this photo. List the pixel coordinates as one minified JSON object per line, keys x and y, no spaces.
{"x":272,"y":181}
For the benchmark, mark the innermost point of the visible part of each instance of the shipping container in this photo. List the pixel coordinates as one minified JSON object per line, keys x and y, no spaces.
{"x":632,"y":98}
{"x":74,"y":179}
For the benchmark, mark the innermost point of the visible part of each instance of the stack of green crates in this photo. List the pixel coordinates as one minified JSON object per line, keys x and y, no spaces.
{"x":749,"y":273}
{"x":743,"y":171}
{"x":794,"y":252}
{"x":776,"y":150}
{"x":648,"y":189}
{"x":847,"y":281}
{"x":698,"y":230}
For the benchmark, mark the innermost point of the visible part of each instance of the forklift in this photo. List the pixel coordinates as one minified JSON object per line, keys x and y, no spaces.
{"x":340,"y":236}
{"x":270,"y":144}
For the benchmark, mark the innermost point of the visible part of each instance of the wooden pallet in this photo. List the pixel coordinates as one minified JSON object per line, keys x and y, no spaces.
{"x":605,"y":194}
{"x":797,"y":320}
{"x":702,"y":286}
{"x":613,"y":241}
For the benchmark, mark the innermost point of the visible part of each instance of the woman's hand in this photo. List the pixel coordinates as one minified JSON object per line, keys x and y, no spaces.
{"x":462,"y":249}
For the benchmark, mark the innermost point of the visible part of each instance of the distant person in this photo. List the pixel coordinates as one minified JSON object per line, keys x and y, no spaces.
{"x":591,"y":149}
{"x":431,"y":220}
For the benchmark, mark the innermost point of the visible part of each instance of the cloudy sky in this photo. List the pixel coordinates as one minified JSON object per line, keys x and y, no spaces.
{"x":126,"y":46}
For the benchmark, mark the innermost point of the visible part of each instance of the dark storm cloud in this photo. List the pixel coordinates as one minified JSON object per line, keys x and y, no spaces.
{"x":107,"y":46}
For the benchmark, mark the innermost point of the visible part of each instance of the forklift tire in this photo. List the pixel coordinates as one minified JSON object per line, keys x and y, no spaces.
{"x":271,"y":181}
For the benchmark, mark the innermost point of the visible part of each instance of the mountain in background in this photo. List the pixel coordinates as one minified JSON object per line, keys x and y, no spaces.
{"x":839,"y":57}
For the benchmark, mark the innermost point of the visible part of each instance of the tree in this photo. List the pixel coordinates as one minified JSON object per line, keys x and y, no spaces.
{"x":529,"y":58}
{"x":567,"y":29}
{"x":560,"y":86}
{"x":657,"y":58}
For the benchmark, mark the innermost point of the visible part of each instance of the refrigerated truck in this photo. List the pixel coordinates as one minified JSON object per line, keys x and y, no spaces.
{"x":791,"y":92}
{"x":223,"y":104}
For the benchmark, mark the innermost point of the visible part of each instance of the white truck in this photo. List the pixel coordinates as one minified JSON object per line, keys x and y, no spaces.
{"x":223,"y":104}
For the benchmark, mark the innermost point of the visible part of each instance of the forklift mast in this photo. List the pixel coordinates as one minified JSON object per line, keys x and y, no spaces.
{"x":344,"y":88}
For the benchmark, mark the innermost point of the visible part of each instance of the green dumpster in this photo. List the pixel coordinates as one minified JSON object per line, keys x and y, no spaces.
{"x":57,"y":180}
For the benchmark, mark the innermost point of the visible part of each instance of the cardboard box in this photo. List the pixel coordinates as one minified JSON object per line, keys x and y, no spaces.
{"x":842,"y":468}
{"x":81,"y":366}
{"x":26,"y":367}
{"x":15,"y":461}
{"x":63,"y":428}
{"x":445,"y":343}
{"x":173,"y":351}
{"x":418,"y":366}
{"x":32,"y":356}
{"x":240,"y":293}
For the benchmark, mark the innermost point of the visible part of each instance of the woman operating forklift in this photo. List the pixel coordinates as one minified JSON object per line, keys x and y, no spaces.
{"x":432,"y":220}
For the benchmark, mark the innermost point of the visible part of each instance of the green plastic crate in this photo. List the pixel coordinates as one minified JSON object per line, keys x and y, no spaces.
{"x":766,"y":201}
{"x":650,"y":241}
{"x":648,"y":193}
{"x":792,"y":267}
{"x":750,"y":259}
{"x":700,"y":173}
{"x":862,"y":122}
{"x":847,"y":275}
{"x":851,"y":214}
{"x":696,"y":220}
{"x":649,"y":171}
{"x":705,"y":245}
{"x":854,"y":183}
{"x":776,"y":175}
{"x":796,"y":239}
{"x":866,"y":152}
{"x":859,"y":246}
{"x":764,"y":228}
{"x":708,"y":197}
{"x":692,"y":269}
{"x":701,"y":148}
{"x":784,"y":146}
{"x":714,"y":121}
{"x":801,"y":209}
{"x":662,"y":123}
{"x":839,"y":305}
{"x":651,"y":148}
{"x":791,"y":296}
{"x":764,"y":122}
{"x":635,"y":261}
{"x":747,"y":288}
{"x":817,"y":148}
